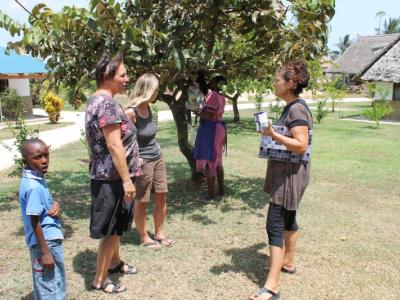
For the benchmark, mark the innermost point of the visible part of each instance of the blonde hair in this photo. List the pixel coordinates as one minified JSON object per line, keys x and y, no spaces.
{"x":144,"y":88}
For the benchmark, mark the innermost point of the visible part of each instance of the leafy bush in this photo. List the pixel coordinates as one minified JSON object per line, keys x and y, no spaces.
{"x":378,"y":111}
{"x":322,"y":112}
{"x":53,"y":106}
{"x":154,"y":111}
{"x":21,"y":133}
{"x":276,"y":109}
{"x":335,"y":91}
{"x":12,"y":104}
{"x":259,"y":100}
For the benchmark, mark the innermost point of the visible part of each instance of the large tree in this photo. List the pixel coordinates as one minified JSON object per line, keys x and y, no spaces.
{"x":242,"y":39}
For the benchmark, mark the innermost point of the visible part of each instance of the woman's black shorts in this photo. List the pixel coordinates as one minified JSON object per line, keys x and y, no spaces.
{"x":279,"y":220}
{"x":110,"y":215}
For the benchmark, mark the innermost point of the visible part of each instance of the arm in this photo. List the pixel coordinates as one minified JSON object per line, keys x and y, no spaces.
{"x":55,"y":209}
{"x":210,"y":106}
{"x":297,"y":144}
{"x":112,"y":134}
{"x":130,"y":113}
{"x":47,"y":257}
{"x":206,"y":115}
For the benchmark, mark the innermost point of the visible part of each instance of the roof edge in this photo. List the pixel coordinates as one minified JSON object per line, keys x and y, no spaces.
{"x":376,"y":58}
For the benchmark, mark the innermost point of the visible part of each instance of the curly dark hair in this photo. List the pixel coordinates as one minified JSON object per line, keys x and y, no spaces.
{"x":298,"y":73}
{"x":107,"y":67}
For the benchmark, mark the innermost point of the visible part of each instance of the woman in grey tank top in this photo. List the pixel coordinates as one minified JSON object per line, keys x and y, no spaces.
{"x":152,"y":163}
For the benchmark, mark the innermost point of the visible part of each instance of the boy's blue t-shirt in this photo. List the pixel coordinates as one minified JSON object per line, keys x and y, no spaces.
{"x":35,"y":199}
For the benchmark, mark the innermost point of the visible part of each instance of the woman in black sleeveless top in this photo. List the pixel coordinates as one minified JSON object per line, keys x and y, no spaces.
{"x":154,"y":176}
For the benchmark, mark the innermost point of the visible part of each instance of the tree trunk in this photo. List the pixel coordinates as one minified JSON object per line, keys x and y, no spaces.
{"x":180,"y":115}
{"x":236,"y":116}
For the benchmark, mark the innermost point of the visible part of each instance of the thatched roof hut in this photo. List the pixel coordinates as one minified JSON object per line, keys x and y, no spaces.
{"x":384,"y":68}
{"x":362,"y":52}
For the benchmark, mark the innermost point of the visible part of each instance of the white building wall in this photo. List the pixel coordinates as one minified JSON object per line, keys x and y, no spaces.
{"x":384,"y":90}
{"x":20,"y":85}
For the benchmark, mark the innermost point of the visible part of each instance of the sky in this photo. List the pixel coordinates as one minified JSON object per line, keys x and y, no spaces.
{"x":354,"y":17}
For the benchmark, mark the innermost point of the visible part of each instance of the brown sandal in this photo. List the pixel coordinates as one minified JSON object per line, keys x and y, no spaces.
{"x":116,"y":288}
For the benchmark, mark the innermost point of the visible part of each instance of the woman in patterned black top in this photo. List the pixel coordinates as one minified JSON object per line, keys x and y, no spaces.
{"x":286,"y":181}
{"x":114,"y":164}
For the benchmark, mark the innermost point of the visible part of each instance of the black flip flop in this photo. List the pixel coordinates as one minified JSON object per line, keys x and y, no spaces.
{"x":119,"y":269}
{"x":264,"y":290}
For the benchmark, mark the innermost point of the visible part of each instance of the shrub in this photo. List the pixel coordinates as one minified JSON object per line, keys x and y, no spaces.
{"x":335,"y":91}
{"x":53,"y":106}
{"x":21,"y":133}
{"x":154,"y":111}
{"x":12,"y":104}
{"x":259,"y":100}
{"x":276,"y":109}
{"x":322,"y":112}
{"x":378,"y":111}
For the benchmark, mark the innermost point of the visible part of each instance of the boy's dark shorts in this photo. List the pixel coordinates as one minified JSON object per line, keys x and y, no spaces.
{"x":279,"y":220}
{"x":110,"y":214}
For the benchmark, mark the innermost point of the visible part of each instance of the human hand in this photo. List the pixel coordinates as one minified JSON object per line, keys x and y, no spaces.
{"x":48,"y":260}
{"x":269,"y":131}
{"x":141,"y":161}
{"x":55,"y":210}
{"x":129,"y":191}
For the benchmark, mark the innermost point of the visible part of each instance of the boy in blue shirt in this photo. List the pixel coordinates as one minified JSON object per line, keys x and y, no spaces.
{"x":42,"y":227}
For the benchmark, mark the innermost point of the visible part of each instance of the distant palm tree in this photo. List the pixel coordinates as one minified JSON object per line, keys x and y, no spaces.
{"x":344,"y":43}
{"x":379,"y":14}
{"x":392,"y":25}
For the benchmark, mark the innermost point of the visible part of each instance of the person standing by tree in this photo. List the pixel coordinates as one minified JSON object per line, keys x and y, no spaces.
{"x":211,"y":137}
{"x":114,"y":165}
{"x":152,"y":163}
{"x":286,"y":181}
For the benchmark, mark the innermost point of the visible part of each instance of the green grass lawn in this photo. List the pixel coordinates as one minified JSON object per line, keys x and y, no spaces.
{"x":349,"y":223}
{"x":7,"y":133}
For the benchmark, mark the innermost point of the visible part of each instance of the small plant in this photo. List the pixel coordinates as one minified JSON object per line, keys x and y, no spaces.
{"x":53,"y":106}
{"x":21,"y":133}
{"x":154,"y":111}
{"x":44,"y":89}
{"x":335,"y":91}
{"x":322,"y":111}
{"x":370,"y":91}
{"x":84,"y":141}
{"x":12,"y":104}
{"x":378,"y":111}
{"x":259,"y":100}
{"x":276,"y":109}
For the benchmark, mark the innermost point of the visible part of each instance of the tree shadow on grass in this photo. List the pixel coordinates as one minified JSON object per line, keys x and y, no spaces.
{"x":66,"y":228}
{"x":84,"y":263}
{"x":182,"y":194}
{"x":247,"y":260}
{"x":9,"y":201}
{"x":202,"y":219}
{"x":73,"y":191}
{"x":245,"y":127}
{"x":30,"y":296}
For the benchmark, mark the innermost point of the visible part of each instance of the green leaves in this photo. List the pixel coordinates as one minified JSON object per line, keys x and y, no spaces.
{"x":245,"y":40}
{"x":133,"y":34}
{"x":180,"y":60}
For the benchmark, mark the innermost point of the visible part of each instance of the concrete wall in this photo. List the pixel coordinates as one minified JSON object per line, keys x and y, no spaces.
{"x":386,"y":90}
{"x":20,"y":85}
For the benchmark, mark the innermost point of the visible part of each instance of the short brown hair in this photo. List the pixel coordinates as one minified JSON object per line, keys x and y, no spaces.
{"x":298,"y":73}
{"x":107,"y":67}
